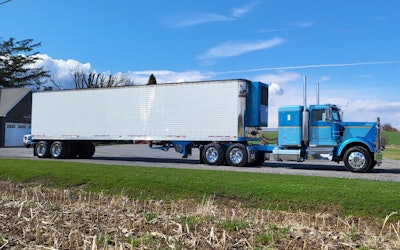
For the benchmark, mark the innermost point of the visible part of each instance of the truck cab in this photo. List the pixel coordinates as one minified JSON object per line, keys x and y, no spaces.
{"x":318,"y":131}
{"x":325,"y":128}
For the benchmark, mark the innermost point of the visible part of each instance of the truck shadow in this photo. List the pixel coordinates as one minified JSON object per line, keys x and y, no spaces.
{"x":305,"y":166}
{"x":148,"y":160}
{"x":326,"y":167}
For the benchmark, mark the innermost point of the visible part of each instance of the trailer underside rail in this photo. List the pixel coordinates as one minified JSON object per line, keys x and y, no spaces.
{"x":182,"y":147}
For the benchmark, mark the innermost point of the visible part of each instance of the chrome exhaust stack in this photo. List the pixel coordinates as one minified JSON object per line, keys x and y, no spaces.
{"x":379,"y":146}
{"x":305,"y":114}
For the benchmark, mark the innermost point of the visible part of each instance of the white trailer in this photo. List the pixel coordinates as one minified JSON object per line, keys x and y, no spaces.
{"x":211,"y":116}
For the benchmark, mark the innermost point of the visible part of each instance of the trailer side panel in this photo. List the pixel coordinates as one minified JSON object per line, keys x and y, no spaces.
{"x":203,"y":111}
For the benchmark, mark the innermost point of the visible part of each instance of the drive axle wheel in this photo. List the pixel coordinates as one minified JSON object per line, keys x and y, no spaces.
{"x":236,"y":155}
{"x":260,"y":159}
{"x":358,"y":159}
{"x":213,"y":154}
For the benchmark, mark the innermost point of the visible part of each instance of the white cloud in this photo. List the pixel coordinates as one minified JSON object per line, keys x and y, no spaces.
{"x":275,"y":89}
{"x":235,"y":48}
{"x":325,"y":78}
{"x":239,"y":12}
{"x":193,"y":19}
{"x":62,"y":71}
{"x":281,"y":77}
{"x":273,"y":30}
{"x":167,"y":76}
{"x":301,"y":24}
{"x":369,"y":109}
{"x":197,"y":18}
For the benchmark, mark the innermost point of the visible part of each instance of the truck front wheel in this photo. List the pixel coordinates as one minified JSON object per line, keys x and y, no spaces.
{"x":357,"y":159}
{"x":213,"y":154}
{"x":236,"y":155}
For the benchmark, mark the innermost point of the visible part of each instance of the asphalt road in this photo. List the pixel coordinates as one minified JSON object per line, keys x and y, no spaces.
{"x":142,"y":155}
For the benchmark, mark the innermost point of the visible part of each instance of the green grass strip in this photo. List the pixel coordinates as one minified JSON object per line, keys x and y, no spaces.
{"x":362,"y":198}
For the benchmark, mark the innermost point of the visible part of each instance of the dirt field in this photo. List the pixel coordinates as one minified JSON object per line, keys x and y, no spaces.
{"x":35,"y":217}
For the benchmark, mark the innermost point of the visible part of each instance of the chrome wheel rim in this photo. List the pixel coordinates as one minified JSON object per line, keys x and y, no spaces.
{"x":236,"y":155}
{"x":41,"y":150}
{"x":56,"y":150}
{"x":357,"y":160}
{"x":212,"y":155}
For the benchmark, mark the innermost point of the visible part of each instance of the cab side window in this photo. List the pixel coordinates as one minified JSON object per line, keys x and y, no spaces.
{"x":318,"y":115}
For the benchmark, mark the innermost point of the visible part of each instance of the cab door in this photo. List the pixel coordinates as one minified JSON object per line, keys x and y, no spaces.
{"x":321,"y":128}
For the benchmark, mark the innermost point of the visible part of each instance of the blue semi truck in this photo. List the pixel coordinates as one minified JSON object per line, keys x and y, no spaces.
{"x":224,"y":119}
{"x":318,"y":131}
{"x":304,"y":133}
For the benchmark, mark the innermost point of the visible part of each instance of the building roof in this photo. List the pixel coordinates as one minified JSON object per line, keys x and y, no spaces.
{"x":9,"y":98}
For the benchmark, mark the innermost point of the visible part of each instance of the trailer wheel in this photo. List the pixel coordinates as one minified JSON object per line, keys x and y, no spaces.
{"x":358,"y":159}
{"x":86,"y":150}
{"x":42,"y":149}
{"x":72,"y":150}
{"x":236,"y":155}
{"x":59,"y":150}
{"x":213,"y":154}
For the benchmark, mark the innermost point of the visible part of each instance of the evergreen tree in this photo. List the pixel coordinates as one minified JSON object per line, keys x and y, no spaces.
{"x":16,"y":60}
{"x":152,"y":80}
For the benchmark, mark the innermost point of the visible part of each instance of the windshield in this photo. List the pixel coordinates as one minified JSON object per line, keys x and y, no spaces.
{"x":336,"y":115}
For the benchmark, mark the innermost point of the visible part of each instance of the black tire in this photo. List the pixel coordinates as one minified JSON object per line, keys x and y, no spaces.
{"x":374,"y":163}
{"x":42,"y":149}
{"x":72,"y":150}
{"x":260,"y":158}
{"x":236,"y":155}
{"x":358,"y":159}
{"x":59,"y":150}
{"x":85,"y":150}
{"x":201,"y":153}
{"x":213,"y":154}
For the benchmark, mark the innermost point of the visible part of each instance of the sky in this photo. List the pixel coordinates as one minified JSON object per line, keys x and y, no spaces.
{"x":349,"y":48}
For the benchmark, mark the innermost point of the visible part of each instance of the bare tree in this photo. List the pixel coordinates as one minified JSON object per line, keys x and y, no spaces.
{"x":83,"y":80}
{"x":56,"y":85}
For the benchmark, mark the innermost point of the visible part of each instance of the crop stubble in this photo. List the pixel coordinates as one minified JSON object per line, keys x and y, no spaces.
{"x":33,"y":216}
